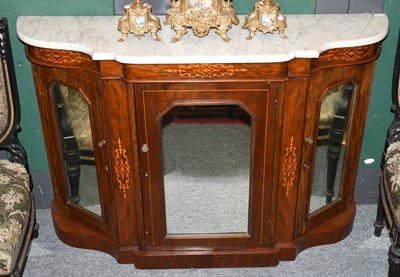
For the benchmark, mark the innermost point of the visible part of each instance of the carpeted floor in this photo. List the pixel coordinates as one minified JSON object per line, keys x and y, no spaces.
{"x":360,"y":254}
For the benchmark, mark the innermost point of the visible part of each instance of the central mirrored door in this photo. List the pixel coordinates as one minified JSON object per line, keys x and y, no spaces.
{"x":206,"y":167}
{"x":202,"y":162}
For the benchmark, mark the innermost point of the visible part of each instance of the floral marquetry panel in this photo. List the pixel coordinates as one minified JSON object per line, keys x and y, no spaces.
{"x":289,"y":167}
{"x":122,"y":168}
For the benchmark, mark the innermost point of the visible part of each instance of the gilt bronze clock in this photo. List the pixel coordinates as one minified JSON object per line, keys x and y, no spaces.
{"x":201,"y":16}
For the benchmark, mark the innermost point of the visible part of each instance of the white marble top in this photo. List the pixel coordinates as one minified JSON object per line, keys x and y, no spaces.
{"x":97,"y":36}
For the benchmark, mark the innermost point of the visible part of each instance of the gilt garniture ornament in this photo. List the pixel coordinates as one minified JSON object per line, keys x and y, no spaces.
{"x":266,"y":18}
{"x":201,"y":16}
{"x":139,"y":20}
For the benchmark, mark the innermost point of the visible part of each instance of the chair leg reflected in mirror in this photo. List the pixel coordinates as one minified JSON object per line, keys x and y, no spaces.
{"x":336,"y":135}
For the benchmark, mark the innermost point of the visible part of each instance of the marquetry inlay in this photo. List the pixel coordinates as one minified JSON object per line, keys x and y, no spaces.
{"x":349,"y":54}
{"x":62,"y":57}
{"x":289,"y":166}
{"x":206,"y":70}
{"x":122,"y":169}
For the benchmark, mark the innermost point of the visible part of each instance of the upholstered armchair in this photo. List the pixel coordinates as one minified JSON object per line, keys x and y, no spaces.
{"x":17,"y":209}
{"x":389,"y":186}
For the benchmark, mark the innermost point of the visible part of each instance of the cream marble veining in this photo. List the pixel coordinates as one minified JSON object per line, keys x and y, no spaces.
{"x":97,"y":36}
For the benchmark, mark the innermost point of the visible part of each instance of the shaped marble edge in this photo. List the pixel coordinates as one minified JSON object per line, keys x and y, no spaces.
{"x":309,"y":35}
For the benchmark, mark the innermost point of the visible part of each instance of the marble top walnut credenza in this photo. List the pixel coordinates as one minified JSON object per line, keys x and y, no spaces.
{"x":203,"y":153}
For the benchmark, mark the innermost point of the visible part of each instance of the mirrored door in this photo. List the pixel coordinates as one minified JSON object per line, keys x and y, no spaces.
{"x":206,"y":168}
{"x":199,"y":152}
{"x":333,"y":125}
{"x":335,"y":111}
{"x":72,"y":116}
{"x":76,"y":140}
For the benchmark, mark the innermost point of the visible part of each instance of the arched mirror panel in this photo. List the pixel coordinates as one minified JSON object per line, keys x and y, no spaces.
{"x":335,"y":111}
{"x":75,"y":133}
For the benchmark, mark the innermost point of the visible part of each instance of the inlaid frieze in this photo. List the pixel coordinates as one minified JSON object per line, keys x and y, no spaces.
{"x":62,"y":58}
{"x":206,"y":70}
{"x":347,"y":55}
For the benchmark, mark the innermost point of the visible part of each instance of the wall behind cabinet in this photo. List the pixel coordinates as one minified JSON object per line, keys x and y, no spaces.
{"x":349,"y":6}
{"x":241,"y":6}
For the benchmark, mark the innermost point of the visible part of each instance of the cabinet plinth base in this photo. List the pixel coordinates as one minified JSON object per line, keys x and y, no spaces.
{"x":78,"y":235}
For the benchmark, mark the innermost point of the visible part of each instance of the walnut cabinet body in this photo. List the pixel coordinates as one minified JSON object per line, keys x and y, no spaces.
{"x":284,"y":101}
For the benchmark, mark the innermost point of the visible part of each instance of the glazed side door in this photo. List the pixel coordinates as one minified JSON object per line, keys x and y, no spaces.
{"x":334,"y":125}
{"x":70,"y":103}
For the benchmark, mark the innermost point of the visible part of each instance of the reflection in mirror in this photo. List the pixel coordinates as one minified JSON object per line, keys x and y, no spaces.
{"x":206,"y":156}
{"x":77,"y":147}
{"x":331,"y":145}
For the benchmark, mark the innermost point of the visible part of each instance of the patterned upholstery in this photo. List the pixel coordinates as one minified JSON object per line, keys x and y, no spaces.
{"x":17,"y":212}
{"x":388,"y":212}
{"x":392,"y":175}
{"x":15,"y":202}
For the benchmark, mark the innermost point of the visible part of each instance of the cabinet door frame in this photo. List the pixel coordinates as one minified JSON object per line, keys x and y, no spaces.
{"x":320,"y":82}
{"x":154,"y":100}
{"x":89,"y":86}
